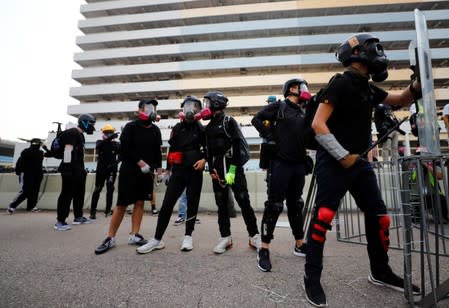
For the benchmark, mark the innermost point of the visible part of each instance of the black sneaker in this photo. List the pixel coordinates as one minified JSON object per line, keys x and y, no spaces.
{"x":108,"y":213}
{"x":263,"y":260}
{"x":93,"y":216}
{"x":314,"y":293}
{"x":300,"y":251}
{"x":154,"y":212}
{"x":81,"y":221}
{"x":105,"y":246}
{"x":392,"y":281}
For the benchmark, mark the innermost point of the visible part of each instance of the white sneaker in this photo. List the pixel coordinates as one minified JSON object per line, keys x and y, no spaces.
{"x":224,"y":243}
{"x":10,"y":210}
{"x":152,"y":244}
{"x":187,"y":244}
{"x":254,"y":242}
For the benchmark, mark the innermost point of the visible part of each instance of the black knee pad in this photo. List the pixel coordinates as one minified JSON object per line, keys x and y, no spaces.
{"x":274,"y":206}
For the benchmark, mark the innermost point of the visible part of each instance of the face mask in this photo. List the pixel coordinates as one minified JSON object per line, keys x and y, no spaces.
{"x":304,"y":94}
{"x":88,"y":127}
{"x":376,"y":60}
{"x":204,"y":114}
{"x":149,"y":113}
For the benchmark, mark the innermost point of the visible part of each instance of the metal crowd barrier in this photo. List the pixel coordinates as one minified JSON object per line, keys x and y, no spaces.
{"x":414,"y":201}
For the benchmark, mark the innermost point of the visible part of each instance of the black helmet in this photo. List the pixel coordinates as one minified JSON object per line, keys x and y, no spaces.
{"x":371,"y":53}
{"x":217,"y":100}
{"x":191,"y":98}
{"x":87,"y":123}
{"x":147,"y":101}
{"x":290,"y":83}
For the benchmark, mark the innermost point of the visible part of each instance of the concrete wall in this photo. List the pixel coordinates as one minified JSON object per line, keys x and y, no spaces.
{"x":51,"y":187}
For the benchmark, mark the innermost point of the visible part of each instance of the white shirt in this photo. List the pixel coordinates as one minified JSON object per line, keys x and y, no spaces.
{"x":446,"y":110}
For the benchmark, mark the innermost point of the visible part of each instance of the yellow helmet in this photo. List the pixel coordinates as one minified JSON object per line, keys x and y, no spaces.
{"x":108,"y":128}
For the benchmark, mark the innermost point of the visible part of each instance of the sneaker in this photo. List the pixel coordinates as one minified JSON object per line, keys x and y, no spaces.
{"x":314,"y":293}
{"x":391,"y":281}
{"x":10,"y":210}
{"x":224,"y":243}
{"x":136,"y":239}
{"x":81,"y":220}
{"x":105,"y":246}
{"x":254,"y":242}
{"x":263,"y":260}
{"x":179,"y":221}
{"x":62,"y":226}
{"x":154,"y":212}
{"x":35,"y":210}
{"x":300,"y":251}
{"x":93,"y":216}
{"x":108,"y":213}
{"x":197,"y":221}
{"x":187,"y":244}
{"x":152,"y":244}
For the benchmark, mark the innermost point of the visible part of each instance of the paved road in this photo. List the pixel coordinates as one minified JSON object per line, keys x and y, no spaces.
{"x":41,"y":267}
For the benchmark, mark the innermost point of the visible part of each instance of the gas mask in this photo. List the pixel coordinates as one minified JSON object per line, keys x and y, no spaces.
{"x":304,"y":94}
{"x":376,"y":60}
{"x":206,"y":113}
{"x":148,"y":113}
{"x":189,"y":112}
{"x":88,"y":126}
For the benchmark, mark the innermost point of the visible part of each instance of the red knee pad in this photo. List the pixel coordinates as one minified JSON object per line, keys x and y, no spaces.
{"x":384,"y":233}
{"x":322,"y":223}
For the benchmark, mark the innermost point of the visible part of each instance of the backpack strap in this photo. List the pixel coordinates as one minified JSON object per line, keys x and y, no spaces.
{"x":225,"y":125}
{"x":280,"y":114}
{"x":323,"y":91}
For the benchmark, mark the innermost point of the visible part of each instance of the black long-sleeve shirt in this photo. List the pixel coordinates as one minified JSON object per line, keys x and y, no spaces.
{"x":139,"y":142}
{"x":218,"y":142}
{"x":288,"y":131}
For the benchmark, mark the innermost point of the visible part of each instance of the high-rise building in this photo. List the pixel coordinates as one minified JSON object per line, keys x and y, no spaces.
{"x":133,"y":49}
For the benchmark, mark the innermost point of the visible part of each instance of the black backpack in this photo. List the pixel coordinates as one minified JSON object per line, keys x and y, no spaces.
{"x":56,"y":148}
{"x":311,"y":107}
{"x":244,"y":148}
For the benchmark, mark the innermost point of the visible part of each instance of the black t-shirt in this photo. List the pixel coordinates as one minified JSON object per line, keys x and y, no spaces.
{"x":75,"y":138}
{"x":139,"y":142}
{"x":353,"y":98}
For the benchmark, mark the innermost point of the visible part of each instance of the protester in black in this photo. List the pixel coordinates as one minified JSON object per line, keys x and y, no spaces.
{"x":282,"y":123}
{"x":73,"y":173}
{"x":29,"y":170}
{"x":225,"y":168}
{"x":140,"y":154}
{"x":342,"y":123}
{"x":107,"y":149}
{"x":185,"y":160}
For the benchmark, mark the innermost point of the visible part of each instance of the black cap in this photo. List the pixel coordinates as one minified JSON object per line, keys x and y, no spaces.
{"x":147,"y":102}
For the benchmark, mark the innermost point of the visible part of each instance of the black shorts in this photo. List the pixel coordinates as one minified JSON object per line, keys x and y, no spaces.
{"x":133,"y":185}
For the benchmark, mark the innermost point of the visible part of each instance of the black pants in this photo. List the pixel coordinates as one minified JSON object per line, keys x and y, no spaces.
{"x":29,"y":189}
{"x":180,"y":179}
{"x":333,"y":182}
{"x":108,"y":175}
{"x":73,"y":188}
{"x":285,"y":182}
{"x":240,"y":190}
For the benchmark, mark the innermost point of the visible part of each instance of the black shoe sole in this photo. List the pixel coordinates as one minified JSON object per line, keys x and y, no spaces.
{"x":311,"y":302}
{"x":261,"y":268}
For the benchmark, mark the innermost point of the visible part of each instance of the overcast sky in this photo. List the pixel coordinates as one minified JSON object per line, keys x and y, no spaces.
{"x":36,"y":52}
